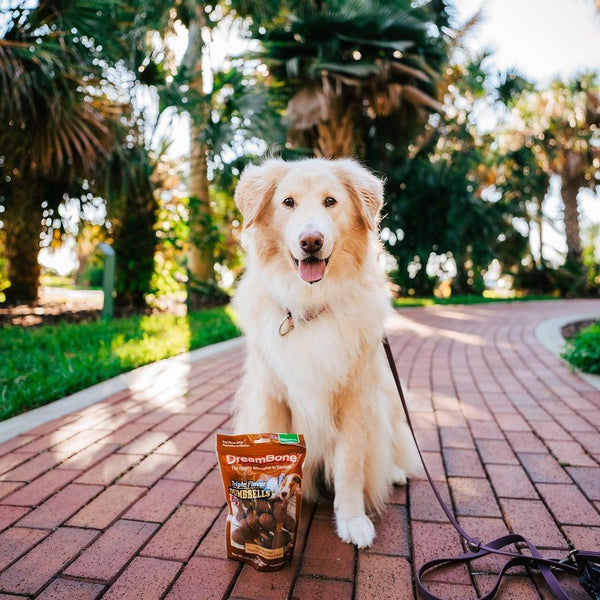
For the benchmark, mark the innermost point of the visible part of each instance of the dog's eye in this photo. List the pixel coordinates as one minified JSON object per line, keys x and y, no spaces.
{"x":329,"y":202}
{"x":289,"y":202}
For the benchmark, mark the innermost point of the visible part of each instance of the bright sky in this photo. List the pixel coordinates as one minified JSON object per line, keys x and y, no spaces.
{"x":543,"y":39}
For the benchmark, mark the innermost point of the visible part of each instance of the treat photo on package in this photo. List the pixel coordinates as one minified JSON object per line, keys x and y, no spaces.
{"x":262,"y":480}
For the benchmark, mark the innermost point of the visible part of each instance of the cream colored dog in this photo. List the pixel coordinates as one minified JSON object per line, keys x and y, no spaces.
{"x":313,"y":303}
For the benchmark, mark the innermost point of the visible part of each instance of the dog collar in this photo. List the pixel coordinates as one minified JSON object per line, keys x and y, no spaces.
{"x":287,"y":323}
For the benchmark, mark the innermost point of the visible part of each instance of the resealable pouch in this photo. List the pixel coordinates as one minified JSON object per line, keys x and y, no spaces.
{"x":262,"y":479}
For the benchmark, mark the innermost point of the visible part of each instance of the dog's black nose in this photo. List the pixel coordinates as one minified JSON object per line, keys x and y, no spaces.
{"x":311,"y":241}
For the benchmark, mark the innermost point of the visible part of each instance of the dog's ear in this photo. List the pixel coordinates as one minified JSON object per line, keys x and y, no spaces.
{"x":256,"y":187}
{"x":364,"y":187}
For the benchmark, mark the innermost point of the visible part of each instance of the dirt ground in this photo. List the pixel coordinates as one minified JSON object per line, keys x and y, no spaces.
{"x":54,"y":305}
{"x":570,"y":329}
{"x":70,"y":306}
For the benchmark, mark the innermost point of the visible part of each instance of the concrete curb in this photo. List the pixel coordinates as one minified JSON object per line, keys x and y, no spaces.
{"x":135,"y":380}
{"x":548,"y":334}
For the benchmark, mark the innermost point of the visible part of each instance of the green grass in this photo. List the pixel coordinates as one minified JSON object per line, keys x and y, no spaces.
{"x":57,"y":281}
{"x":583,"y":349}
{"x":42,"y":364}
{"x":67,"y":283}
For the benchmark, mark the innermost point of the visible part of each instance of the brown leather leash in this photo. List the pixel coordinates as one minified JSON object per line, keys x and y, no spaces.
{"x":584,"y":564}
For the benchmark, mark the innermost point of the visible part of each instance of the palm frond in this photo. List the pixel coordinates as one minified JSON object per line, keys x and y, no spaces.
{"x":415,"y":96}
{"x":392,"y":45}
{"x":307,"y":107}
{"x":401,"y":69}
{"x":356,"y":70}
{"x":47,"y":57}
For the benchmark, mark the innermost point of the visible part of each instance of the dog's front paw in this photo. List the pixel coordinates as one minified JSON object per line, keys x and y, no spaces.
{"x":356,"y":530}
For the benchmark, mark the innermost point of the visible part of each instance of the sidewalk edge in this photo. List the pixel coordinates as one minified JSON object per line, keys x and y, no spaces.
{"x":548,"y":334}
{"x":59,"y":408}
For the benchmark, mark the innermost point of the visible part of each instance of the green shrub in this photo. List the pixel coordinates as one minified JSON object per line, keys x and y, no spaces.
{"x":583,"y":349}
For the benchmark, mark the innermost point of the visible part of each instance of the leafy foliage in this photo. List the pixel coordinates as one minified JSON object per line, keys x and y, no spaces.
{"x":341,"y":67}
{"x":55,"y":122}
{"x":133,"y":206}
{"x":440,"y":223}
{"x":583,"y":349}
{"x":433,"y":210}
{"x":360,"y":77}
{"x":63,"y":85}
{"x":545,"y":278}
{"x":561,"y":126}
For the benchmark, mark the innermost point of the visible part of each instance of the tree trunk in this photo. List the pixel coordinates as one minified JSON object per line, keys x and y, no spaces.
{"x":201,"y":263}
{"x":23,"y":226}
{"x":460,"y":283}
{"x":135,"y":245}
{"x":569,"y":190}
{"x":540,"y":224}
{"x":200,"y":260}
{"x":337,"y":137}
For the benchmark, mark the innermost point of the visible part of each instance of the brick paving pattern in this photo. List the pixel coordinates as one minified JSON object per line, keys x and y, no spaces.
{"x":123,"y":500}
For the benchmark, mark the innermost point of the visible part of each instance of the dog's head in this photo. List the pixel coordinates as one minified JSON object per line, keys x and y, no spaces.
{"x":313,"y":215}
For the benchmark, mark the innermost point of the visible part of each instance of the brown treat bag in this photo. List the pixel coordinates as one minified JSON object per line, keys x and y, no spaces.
{"x":262,"y":477}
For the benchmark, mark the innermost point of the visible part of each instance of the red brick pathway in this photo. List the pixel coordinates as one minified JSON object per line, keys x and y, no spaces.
{"x":122,"y":500}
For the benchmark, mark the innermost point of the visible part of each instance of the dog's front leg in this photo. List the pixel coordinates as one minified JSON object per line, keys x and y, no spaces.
{"x":259,"y":405}
{"x":353,"y":524}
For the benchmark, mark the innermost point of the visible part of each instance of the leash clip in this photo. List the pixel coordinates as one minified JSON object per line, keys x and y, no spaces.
{"x":569,"y":557}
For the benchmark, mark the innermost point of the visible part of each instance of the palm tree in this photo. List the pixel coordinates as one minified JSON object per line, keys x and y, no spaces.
{"x":223,"y":114}
{"x":56,"y":126}
{"x":345,"y":66}
{"x":200,"y":259}
{"x":130,"y":183}
{"x":562,"y":125}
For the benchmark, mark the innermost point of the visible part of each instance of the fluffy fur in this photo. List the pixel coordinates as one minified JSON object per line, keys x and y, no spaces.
{"x":327,"y":377}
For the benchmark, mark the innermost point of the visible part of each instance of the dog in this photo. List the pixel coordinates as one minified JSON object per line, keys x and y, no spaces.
{"x":312,"y":303}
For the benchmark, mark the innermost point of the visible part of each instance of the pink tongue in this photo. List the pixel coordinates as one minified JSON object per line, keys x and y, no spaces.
{"x":312,"y":269}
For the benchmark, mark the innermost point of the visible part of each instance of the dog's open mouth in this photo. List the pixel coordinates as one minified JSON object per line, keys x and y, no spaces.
{"x":311,"y":269}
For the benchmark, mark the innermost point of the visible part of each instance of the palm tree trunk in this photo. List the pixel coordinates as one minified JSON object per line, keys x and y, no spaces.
{"x":338,"y":136}
{"x":201,"y":264}
{"x":135,"y":245}
{"x":200,"y":259}
{"x":540,"y":223}
{"x":23,"y":226}
{"x":569,"y":192}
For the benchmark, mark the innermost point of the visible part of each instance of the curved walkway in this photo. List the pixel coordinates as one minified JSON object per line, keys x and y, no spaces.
{"x":122,"y":499}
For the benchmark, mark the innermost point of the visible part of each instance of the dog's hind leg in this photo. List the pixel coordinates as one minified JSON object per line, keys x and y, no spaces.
{"x":406,"y":460}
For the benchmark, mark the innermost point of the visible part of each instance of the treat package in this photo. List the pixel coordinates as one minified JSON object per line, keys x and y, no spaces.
{"x":262,"y":477}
